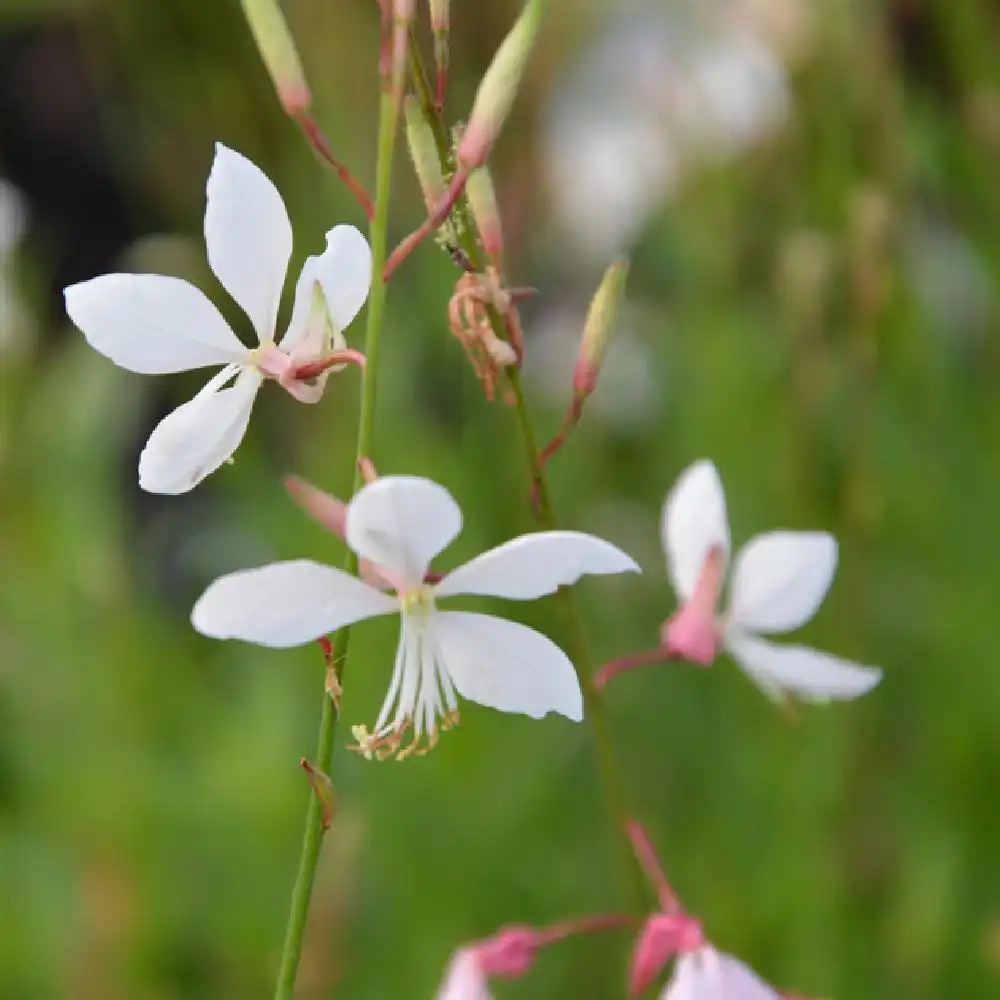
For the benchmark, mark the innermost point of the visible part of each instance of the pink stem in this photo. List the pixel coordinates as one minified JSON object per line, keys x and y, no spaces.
{"x":645,"y":852}
{"x":319,"y":142}
{"x":310,"y":369}
{"x":661,"y":654}
{"x":434,"y":221}
{"x":584,"y":925}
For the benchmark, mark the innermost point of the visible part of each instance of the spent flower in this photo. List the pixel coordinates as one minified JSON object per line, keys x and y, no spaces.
{"x":152,"y":324}
{"x":399,"y":524}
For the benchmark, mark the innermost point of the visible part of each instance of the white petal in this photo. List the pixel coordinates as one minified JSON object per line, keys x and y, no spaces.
{"x":344,"y":273}
{"x":694,"y":520}
{"x":507,"y":666}
{"x":194,"y":440}
{"x":400,"y":523}
{"x":286,"y":604}
{"x":152,"y":324}
{"x":711,"y":975}
{"x":808,"y":673}
{"x":248,"y":237}
{"x":464,"y":978}
{"x":780,"y":580}
{"x":533,"y":565}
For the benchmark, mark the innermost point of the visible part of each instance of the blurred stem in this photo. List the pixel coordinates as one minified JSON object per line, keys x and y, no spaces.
{"x":313,"y":837}
{"x":611,"y":781}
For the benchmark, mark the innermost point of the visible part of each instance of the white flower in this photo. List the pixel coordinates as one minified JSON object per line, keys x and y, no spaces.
{"x":465,"y":978}
{"x":779,"y":581}
{"x":399,"y":524}
{"x":153,"y":324}
{"x":706,"y":974}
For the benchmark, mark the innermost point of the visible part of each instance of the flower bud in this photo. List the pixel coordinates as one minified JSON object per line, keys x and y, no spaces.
{"x":278,"y":51}
{"x":424,"y":153}
{"x":403,"y":14}
{"x":499,"y":88}
{"x":483,"y":203}
{"x":662,"y":937}
{"x":440,"y":27}
{"x":598,"y":328}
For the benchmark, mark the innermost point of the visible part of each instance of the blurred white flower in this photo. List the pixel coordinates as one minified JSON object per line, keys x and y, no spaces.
{"x":465,"y":978}
{"x":707,"y":974}
{"x":153,"y":324}
{"x":779,"y":581}
{"x":399,"y":524}
{"x":661,"y":93}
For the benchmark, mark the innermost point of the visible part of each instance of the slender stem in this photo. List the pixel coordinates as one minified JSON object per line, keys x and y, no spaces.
{"x":611,"y":782}
{"x":312,"y":839}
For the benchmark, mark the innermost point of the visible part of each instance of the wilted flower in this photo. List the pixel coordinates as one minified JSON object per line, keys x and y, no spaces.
{"x":779,"y":581}
{"x":153,"y":324}
{"x":398,"y":524}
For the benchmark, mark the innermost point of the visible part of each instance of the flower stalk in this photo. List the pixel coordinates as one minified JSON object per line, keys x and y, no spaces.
{"x":281,"y":57}
{"x":611,"y":781}
{"x":314,"y":828}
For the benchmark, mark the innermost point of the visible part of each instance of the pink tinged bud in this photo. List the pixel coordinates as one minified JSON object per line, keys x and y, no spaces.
{"x":483,"y":204}
{"x":662,"y":937}
{"x":403,"y":14}
{"x":510,"y":953}
{"x":440,"y":27}
{"x":499,"y":88}
{"x":692,"y":633}
{"x":424,"y":153}
{"x":599,"y":326}
{"x":277,"y":49}
{"x":331,"y":513}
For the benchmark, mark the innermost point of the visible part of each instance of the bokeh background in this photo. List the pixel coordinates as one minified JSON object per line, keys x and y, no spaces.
{"x":809,"y":195}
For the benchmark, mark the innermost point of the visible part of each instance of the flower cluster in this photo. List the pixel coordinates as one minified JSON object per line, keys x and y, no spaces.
{"x":397,"y":526}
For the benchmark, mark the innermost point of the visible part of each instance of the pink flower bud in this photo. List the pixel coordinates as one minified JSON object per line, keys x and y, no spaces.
{"x":662,"y":937}
{"x":510,"y":953}
{"x":483,"y":203}
{"x":274,"y":40}
{"x":499,"y":88}
{"x":598,"y":328}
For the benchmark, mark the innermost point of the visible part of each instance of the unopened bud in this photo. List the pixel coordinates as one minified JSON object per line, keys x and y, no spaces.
{"x":403,"y":14}
{"x":499,"y":88}
{"x":598,"y":328}
{"x":510,"y":953}
{"x":424,"y":153}
{"x":278,"y":51}
{"x":662,"y":937}
{"x":483,"y":203}
{"x":440,"y":27}
{"x":440,"y":17}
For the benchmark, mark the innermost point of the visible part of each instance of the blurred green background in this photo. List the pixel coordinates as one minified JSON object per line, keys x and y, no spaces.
{"x":808,"y":192}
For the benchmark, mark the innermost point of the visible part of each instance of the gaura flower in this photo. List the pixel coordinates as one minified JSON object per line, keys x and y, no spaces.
{"x":701,"y":972}
{"x":778,"y":582}
{"x":152,"y":324}
{"x":399,"y":524}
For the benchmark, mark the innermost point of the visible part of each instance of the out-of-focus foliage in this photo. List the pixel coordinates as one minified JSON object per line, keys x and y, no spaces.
{"x":814,"y":306}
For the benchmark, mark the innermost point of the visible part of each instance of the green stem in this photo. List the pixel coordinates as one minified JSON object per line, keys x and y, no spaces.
{"x":611,"y":781}
{"x":313,"y":837}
